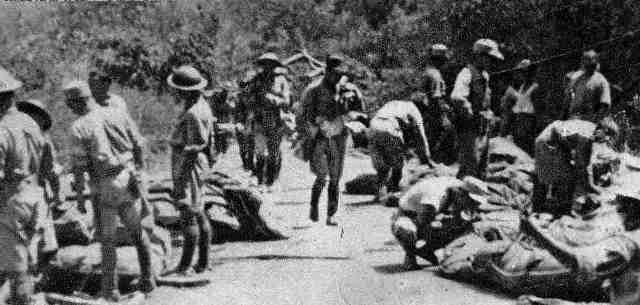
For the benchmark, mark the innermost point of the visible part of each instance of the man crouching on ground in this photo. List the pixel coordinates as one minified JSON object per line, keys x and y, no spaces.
{"x":433,"y":213}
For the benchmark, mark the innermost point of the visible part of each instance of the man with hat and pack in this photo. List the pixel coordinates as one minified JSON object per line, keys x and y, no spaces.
{"x":23,"y":211}
{"x":49,"y":175}
{"x":192,"y":155}
{"x":322,"y":123}
{"x":435,"y":109}
{"x":588,"y":92}
{"x":105,"y":144}
{"x":268,"y":96}
{"x":470,"y":99}
{"x":433,"y":213}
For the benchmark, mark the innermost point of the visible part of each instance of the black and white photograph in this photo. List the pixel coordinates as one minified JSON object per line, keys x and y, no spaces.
{"x":320,"y":152}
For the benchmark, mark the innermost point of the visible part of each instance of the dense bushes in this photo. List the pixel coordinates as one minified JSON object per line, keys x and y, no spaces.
{"x":385,"y":41}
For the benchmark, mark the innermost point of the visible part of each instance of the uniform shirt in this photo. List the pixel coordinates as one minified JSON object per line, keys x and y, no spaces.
{"x":191,"y":141}
{"x":22,"y":147}
{"x":522,"y":98}
{"x":266,"y":97}
{"x":587,"y":92}
{"x":321,"y":108}
{"x":434,"y":85}
{"x":103,"y":141}
{"x":407,"y":113}
{"x":475,"y":90}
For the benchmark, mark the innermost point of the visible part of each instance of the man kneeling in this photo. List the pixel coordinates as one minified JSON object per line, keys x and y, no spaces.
{"x":433,"y":213}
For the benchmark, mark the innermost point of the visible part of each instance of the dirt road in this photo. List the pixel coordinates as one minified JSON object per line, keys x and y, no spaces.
{"x":356,"y":263}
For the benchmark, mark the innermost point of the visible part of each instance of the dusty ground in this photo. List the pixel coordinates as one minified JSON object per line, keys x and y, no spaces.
{"x":354,"y":263}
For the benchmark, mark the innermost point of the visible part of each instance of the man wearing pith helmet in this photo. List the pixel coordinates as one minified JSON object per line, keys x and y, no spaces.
{"x":23,"y":210}
{"x":192,"y":154}
{"x":470,"y":99}
{"x":105,"y":144}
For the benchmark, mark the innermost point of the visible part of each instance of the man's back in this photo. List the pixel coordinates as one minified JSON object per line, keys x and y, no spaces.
{"x":105,"y":139}
{"x":21,"y":146}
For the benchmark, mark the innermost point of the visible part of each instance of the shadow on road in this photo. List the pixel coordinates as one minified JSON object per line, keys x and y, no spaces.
{"x":397,"y":268}
{"x":284,"y":257}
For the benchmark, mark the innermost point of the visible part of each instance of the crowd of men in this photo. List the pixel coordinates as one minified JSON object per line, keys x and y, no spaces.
{"x":107,"y":148}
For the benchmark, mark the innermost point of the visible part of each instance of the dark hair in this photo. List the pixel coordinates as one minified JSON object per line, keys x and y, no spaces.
{"x":100,"y":76}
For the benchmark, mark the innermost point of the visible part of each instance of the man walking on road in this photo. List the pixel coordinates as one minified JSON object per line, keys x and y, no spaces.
{"x":105,"y":144}
{"x":269,"y":95}
{"x":24,"y":212}
{"x":321,"y":114}
{"x":588,"y":92}
{"x":471,"y":99}
{"x":192,"y":155}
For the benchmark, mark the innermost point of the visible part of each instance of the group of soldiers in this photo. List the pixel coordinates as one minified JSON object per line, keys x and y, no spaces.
{"x":107,"y":148}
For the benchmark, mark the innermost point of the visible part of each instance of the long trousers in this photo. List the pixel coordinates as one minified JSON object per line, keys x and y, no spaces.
{"x":197,"y":230}
{"x":247,"y":147}
{"x":268,"y":156}
{"x":328,"y":160}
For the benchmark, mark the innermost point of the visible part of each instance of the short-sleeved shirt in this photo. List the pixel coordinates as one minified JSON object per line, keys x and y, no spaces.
{"x":193,"y":135}
{"x":321,"y":108}
{"x":103,"y":142}
{"x":471,"y":85}
{"x":587,"y":91}
{"x":430,"y":191}
{"x":434,"y":85}
{"x":406,"y":112}
{"x":22,"y":146}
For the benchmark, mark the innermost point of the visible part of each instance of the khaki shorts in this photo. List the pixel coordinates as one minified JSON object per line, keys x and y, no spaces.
{"x":23,"y":218}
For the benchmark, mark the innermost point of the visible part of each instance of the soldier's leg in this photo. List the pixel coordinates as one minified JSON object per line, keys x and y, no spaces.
{"x":261,"y":153}
{"x":191,"y":236}
{"x":396,"y":176}
{"x":130,"y":215}
{"x":108,"y":223}
{"x":378,"y":161}
{"x":406,"y":232}
{"x":204,"y":243}
{"x":320,"y":167}
{"x":21,"y":288}
{"x":273,"y":148}
{"x":467,"y":155}
{"x":337,"y":150}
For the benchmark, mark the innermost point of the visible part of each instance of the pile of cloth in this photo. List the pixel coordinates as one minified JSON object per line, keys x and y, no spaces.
{"x":236,"y":211}
{"x":508,"y":247}
{"x":76,"y":265}
{"x":588,"y":256}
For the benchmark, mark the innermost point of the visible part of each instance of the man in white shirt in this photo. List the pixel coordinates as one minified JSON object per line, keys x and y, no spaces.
{"x":471,"y":98}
